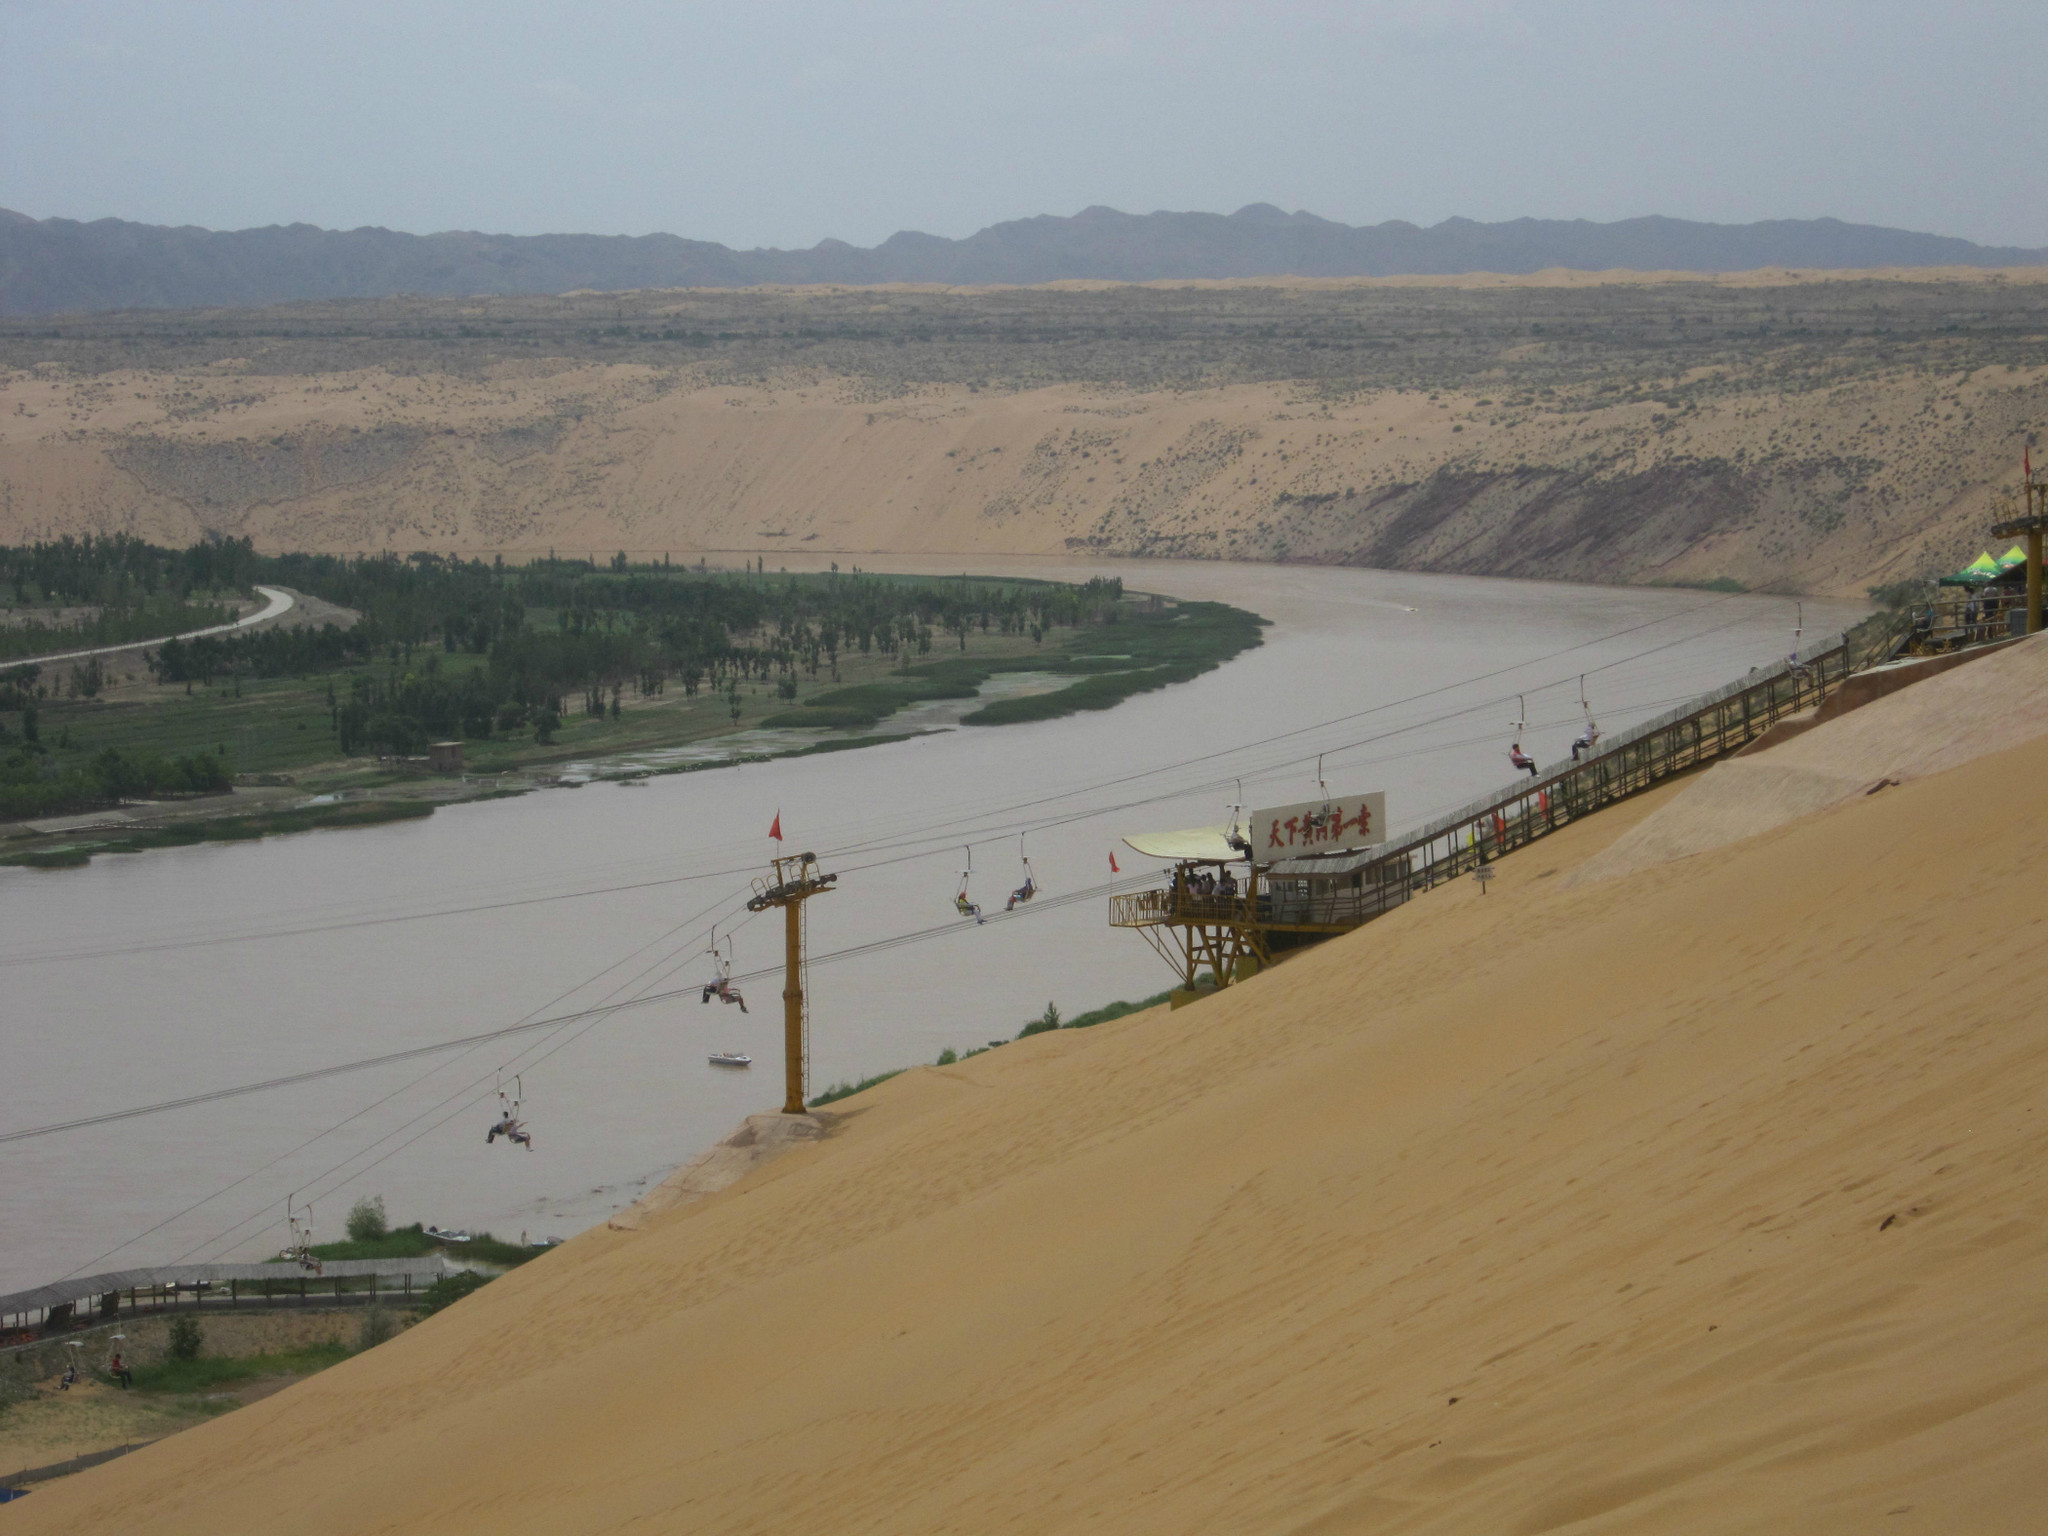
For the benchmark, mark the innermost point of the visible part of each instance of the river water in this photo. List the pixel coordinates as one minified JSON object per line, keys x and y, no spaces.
{"x":152,"y":977}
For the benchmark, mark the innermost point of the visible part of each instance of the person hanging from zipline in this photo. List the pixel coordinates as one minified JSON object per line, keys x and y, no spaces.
{"x":509,"y":1125}
{"x":723,"y":989}
{"x":720,"y":985}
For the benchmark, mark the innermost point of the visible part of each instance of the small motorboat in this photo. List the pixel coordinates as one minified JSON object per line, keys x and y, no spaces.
{"x":731,"y":1059}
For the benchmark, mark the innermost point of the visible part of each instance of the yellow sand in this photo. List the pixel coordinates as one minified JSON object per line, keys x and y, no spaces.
{"x":1984,"y":706}
{"x":1705,"y":1199}
{"x":525,"y":457}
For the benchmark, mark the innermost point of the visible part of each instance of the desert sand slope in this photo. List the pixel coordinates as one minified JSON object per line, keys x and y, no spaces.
{"x":1785,"y":434}
{"x":1704,"y":1199}
{"x":1984,"y":706}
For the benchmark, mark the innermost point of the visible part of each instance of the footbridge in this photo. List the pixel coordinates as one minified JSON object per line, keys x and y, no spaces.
{"x":26,"y":1315}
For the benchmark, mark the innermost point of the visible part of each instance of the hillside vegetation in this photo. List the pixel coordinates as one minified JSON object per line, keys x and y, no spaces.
{"x":1704,"y":1198}
{"x":1776,"y":431}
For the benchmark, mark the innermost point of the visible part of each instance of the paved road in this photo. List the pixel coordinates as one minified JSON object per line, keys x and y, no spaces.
{"x":281,"y":602}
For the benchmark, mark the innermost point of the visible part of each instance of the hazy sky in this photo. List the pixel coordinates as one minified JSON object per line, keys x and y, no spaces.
{"x":781,"y":124}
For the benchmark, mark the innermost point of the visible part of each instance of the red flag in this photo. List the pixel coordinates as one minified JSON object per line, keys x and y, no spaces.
{"x":776,"y":830}
{"x":1112,"y":865}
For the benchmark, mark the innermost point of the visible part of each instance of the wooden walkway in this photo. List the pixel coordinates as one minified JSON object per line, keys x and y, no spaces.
{"x":1376,"y":881}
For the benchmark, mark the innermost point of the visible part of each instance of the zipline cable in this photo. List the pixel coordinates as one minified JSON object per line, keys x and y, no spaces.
{"x":880,"y":844}
{"x":531,"y":1026}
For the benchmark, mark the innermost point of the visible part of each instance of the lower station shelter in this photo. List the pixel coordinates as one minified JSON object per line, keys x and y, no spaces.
{"x":1242,"y":895}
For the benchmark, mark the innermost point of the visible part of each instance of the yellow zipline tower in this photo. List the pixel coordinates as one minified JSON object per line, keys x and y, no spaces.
{"x":2030,"y":525}
{"x":796,"y":881}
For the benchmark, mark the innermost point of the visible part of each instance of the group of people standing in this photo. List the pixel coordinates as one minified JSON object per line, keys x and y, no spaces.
{"x":1206,"y":882}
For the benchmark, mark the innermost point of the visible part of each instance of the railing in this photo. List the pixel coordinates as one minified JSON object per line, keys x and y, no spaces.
{"x":1954,"y":622}
{"x":1715,"y":725}
{"x":1144,"y":909}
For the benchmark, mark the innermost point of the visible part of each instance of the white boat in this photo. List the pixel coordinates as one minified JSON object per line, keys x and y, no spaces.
{"x":731,"y":1059}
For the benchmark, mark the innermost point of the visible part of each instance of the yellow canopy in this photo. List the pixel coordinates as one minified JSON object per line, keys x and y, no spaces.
{"x":1199,"y":844}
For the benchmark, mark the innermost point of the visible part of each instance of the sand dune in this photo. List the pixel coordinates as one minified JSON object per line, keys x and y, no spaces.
{"x":1703,"y":1199}
{"x":1765,"y":429}
{"x":1990,"y":704}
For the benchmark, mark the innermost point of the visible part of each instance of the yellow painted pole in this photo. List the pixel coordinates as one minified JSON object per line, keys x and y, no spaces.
{"x":2034,"y":563}
{"x":793,"y":1009}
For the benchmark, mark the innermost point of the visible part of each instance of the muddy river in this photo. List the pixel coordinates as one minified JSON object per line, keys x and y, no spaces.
{"x":157,"y":976}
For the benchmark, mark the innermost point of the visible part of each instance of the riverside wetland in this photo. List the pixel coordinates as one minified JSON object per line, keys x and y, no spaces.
{"x":646,"y":667}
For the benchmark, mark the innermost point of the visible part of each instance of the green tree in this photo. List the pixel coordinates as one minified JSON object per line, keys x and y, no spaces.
{"x":367,"y":1221}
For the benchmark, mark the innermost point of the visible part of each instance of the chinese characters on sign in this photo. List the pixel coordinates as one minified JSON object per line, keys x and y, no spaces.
{"x":1318,"y":826}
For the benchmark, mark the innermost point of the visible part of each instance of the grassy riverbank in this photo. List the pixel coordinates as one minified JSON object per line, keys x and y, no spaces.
{"x":636,"y":669}
{"x":1049,"y":1020}
{"x":79,"y":848}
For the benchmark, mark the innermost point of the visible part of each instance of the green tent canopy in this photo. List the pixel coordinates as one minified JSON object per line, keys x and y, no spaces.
{"x":2012,"y":557}
{"x":1978,"y":571}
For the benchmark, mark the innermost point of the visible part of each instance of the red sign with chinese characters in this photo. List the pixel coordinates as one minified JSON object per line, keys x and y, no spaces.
{"x":1318,"y":826}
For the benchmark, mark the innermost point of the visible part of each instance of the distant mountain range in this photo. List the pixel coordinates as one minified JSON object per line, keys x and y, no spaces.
{"x":51,"y":266}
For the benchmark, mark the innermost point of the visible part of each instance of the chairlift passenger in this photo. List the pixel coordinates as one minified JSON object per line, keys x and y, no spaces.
{"x":509,"y":1125}
{"x":1587,"y":739}
{"x":720,"y":985}
{"x":962,"y":905}
{"x":965,"y":905}
{"x":1025,"y":891}
{"x":1523,"y":760}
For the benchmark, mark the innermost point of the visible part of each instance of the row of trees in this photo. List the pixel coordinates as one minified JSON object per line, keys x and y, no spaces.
{"x":554,"y":631}
{"x":120,"y":571}
{"x":32,"y":785}
{"x":550,"y":631}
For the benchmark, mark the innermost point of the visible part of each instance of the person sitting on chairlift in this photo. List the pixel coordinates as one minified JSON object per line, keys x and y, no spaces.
{"x":721,"y":987}
{"x":1587,"y":740}
{"x":1023,"y":892}
{"x":967,"y":908}
{"x":117,"y":1369}
{"x":512,"y":1130}
{"x":1522,"y":759}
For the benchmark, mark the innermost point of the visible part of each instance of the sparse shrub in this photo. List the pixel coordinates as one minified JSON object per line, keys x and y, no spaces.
{"x":947,"y":1057}
{"x":367,"y":1221}
{"x":1050,"y":1019}
{"x":187,"y":1339}
{"x":449,"y":1289}
{"x":377,"y":1325}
